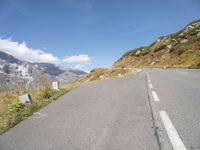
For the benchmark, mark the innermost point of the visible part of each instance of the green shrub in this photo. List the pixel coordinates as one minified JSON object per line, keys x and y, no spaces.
{"x":175,"y":35}
{"x":194,"y":31}
{"x":133,"y":52}
{"x":130,"y":53}
{"x":159,"y":48}
{"x":15,"y":106}
{"x":48,"y":93}
{"x":29,"y":110}
{"x":145,"y":51}
{"x":181,"y":51}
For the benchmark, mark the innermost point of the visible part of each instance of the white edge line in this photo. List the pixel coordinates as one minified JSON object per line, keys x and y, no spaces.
{"x":155,"y":96}
{"x":147,"y":75}
{"x":182,"y":72}
{"x":150,"y":85}
{"x":171,"y":131}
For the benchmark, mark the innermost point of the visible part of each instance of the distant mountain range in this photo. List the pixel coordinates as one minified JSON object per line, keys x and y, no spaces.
{"x":181,"y":49}
{"x":15,"y":73}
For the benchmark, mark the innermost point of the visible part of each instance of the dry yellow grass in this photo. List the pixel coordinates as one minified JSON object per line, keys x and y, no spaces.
{"x":12,"y":111}
{"x":107,"y":73}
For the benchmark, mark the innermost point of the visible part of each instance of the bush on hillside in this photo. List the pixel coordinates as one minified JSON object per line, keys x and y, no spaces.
{"x":159,"y":48}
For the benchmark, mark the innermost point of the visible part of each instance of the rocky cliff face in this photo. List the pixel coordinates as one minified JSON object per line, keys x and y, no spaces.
{"x":15,"y":73}
{"x":181,"y":49}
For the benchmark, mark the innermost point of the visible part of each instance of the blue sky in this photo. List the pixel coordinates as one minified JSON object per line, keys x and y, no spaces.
{"x":88,"y":33}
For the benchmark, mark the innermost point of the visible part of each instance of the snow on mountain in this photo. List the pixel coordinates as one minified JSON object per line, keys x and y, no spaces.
{"x":15,"y":73}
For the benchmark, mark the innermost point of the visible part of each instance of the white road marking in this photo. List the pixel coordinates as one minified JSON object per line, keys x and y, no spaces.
{"x":148,"y":77}
{"x":155,"y":96}
{"x":172,"y":133}
{"x":182,"y":72}
{"x":150,"y":85}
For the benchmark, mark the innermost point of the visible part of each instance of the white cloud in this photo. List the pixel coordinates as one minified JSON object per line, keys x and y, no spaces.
{"x":23,"y":52}
{"x":79,"y":66}
{"x":80,"y":61}
{"x":77,"y":59}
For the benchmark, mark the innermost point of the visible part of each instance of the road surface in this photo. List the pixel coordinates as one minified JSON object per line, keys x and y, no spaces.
{"x":179,"y":94}
{"x":156,"y":110}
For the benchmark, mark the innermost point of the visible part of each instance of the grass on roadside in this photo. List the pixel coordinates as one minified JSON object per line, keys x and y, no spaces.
{"x":107,"y":73}
{"x":12,"y":111}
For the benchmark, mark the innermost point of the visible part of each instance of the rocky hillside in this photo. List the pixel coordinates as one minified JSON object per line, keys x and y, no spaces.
{"x":15,"y":73}
{"x":181,"y":49}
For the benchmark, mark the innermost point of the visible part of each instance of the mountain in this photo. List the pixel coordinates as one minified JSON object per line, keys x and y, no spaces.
{"x":9,"y":59}
{"x":15,"y":73}
{"x":181,"y":49}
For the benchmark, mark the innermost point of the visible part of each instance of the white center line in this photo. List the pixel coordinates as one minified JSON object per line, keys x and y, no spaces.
{"x":155,"y":96}
{"x":172,"y":133}
{"x":150,"y":85}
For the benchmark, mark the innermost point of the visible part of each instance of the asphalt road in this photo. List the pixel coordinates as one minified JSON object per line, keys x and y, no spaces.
{"x":157,"y":109}
{"x":179,"y":94}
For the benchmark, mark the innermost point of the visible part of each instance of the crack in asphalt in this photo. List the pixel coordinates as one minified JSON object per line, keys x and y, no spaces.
{"x":152,"y":116}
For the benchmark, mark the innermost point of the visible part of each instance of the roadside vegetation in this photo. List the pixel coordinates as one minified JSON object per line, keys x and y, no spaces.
{"x":107,"y":73}
{"x":12,"y":111}
{"x":181,"y":49}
